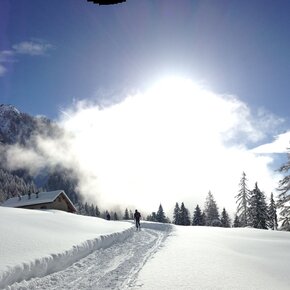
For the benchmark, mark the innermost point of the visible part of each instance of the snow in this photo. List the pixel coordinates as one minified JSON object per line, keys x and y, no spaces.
{"x":115,"y":267}
{"x":58,"y":250}
{"x":8,"y":109}
{"x":36,"y":243}
{"x":220,"y":258}
{"x":41,"y":197}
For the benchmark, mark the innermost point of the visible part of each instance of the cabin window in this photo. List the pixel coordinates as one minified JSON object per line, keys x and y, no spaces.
{"x":59,"y":199}
{"x":44,"y":207}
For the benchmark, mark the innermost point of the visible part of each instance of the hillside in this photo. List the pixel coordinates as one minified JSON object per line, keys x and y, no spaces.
{"x":89,"y":253}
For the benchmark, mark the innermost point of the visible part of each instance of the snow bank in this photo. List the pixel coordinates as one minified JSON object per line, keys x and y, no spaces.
{"x":36,"y":243}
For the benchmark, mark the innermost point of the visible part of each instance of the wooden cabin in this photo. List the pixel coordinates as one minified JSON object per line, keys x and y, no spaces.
{"x":42,"y":200}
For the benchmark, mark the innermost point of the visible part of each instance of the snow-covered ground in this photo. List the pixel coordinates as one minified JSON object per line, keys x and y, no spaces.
{"x":220,"y":258}
{"x":36,"y":243}
{"x":57,"y":250}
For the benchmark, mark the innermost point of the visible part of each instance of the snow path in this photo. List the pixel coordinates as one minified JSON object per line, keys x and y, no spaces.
{"x":115,"y":267}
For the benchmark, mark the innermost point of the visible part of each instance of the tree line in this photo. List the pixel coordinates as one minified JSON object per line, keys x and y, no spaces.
{"x":253,"y":210}
{"x":12,"y":185}
{"x":209,"y":216}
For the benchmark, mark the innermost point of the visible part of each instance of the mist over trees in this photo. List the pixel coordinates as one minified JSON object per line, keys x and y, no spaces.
{"x":253,"y":210}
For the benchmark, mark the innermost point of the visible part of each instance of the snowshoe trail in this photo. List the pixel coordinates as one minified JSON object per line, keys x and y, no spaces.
{"x":115,"y":267}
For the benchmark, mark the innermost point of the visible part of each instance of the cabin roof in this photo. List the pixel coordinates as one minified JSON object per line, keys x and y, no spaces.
{"x":43,"y":197}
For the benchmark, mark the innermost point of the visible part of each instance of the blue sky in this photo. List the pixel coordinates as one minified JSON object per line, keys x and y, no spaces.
{"x":236,"y":47}
{"x":66,"y":55}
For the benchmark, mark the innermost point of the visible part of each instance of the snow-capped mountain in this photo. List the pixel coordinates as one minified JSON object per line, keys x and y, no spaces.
{"x":18,"y":127}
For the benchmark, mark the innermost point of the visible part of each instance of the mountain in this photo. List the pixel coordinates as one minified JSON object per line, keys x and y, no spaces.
{"x":18,"y":127}
{"x":21,"y":128}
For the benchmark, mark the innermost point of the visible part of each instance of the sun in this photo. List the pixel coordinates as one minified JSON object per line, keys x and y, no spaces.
{"x":174,"y":86}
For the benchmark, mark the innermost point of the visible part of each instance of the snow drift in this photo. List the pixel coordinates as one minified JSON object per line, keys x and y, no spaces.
{"x":36,"y":243}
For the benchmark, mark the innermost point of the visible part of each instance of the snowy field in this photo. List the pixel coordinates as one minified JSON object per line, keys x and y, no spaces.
{"x":35,"y":243}
{"x":220,"y":258}
{"x":58,"y":250}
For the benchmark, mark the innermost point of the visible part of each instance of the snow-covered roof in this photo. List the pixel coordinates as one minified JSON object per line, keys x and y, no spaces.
{"x":43,"y":197}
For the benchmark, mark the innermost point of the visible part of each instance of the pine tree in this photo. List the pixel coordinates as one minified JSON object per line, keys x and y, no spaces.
{"x":92,"y":210}
{"x":184,"y":215}
{"x":97,"y":211}
{"x":104,"y":214}
{"x":126,"y":214}
{"x":176,"y":215}
{"x":81,"y":208}
{"x":243,"y":201}
{"x":160,"y":216}
{"x":12,"y":185}
{"x":197,"y":219}
{"x":225,"y":219}
{"x":272,"y":214}
{"x":87,"y":209}
{"x":283,"y":203}
{"x":203,"y":218}
{"x":131,"y":215}
{"x":258,"y":209}
{"x":211,"y":211}
{"x":115,"y":217}
{"x":152,"y":217}
{"x":237,"y":223}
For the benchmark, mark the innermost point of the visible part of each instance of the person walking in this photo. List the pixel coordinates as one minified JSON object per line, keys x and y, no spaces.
{"x":137,"y":217}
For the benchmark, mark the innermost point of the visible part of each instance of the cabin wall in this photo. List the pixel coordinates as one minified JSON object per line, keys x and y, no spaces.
{"x":59,"y":204}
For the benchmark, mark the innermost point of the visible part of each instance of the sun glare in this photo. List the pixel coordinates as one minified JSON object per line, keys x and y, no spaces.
{"x":165,"y":145}
{"x":172,"y":86}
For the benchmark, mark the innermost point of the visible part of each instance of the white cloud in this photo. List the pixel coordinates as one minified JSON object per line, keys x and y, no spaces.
{"x":5,"y":56}
{"x":279,"y":145}
{"x":173,"y":143}
{"x":32,"y":47}
{"x":18,"y":157}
